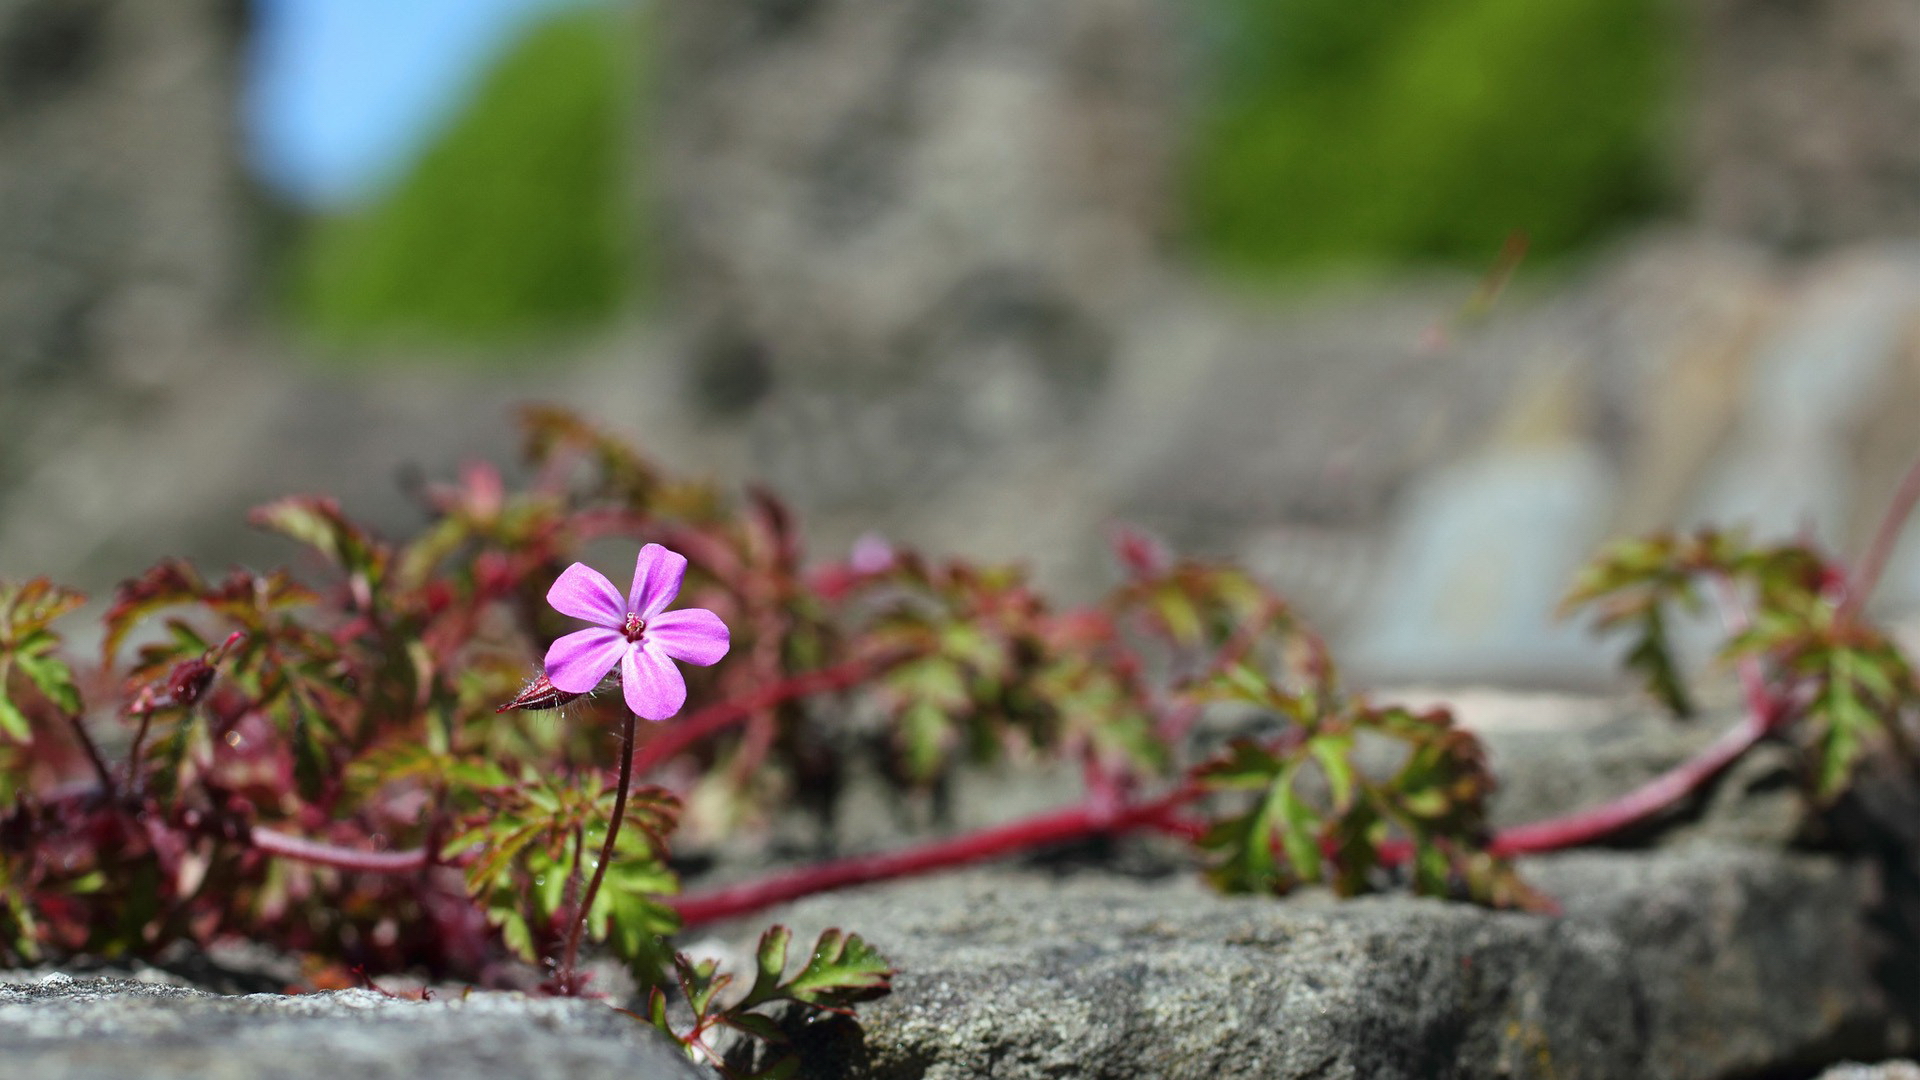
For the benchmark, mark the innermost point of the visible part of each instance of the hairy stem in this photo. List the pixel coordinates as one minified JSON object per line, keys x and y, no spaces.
{"x":571,"y":957}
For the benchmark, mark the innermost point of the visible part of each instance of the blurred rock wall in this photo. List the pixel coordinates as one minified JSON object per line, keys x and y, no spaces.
{"x":122,"y":216}
{"x":1804,"y":124}
{"x":916,"y":280}
{"x":903,"y":232}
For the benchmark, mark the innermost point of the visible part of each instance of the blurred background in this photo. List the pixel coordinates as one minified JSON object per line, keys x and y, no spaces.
{"x":1406,"y":303}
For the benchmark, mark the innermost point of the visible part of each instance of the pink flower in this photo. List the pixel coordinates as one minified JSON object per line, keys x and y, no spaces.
{"x":638,"y":634}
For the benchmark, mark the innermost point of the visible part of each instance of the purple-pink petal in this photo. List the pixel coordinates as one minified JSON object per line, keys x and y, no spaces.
{"x":585,"y":593}
{"x":694,"y":635}
{"x":577,"y":662}
{"x":656,"y":580}
{"x":652,"y":685}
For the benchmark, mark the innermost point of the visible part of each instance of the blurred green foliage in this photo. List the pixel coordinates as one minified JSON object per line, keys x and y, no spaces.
{"x":515,"y":221}
{"x":1376,"y":132}
{"x":1339,"y":133}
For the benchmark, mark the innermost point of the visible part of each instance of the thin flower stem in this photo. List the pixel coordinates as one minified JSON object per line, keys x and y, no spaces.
{"x":134,"y":750}
{"x":669,"y":741}
{"x":571,"y":957}
{"x":1873,"y":563}
{"x":92,"y":751}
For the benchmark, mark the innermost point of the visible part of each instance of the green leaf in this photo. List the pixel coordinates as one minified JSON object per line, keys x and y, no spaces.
{"x":1652,"y":656}
{"x":12,"y":721}
{"x":165,"y":584}
{"x":53,"y":678}
{"x":319,"y":523}
{"x":515,"y":933}
{"x":1334,"y":754}
{"x":843,"y":970}
{"x":1294,"y":832}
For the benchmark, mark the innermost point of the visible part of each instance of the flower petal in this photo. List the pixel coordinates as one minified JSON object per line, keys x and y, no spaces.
{"x":694,"y":635}
{"x":656,"y":580}
{"x":652,"y":685}
{"x":585,"y":593}
{"x":576,"y":663}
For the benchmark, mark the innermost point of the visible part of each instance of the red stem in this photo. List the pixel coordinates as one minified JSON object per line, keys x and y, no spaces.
{"x":672,"y":738}
{"x":319,"y":854}
{"x":1880,"y":549}
{"x":1638,"y":805}
{"x":1073,"y":823}
{"x":1097,"y":817}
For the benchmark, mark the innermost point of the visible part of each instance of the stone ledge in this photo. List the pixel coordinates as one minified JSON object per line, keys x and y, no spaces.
{"x":60,"y":1028}
{"x":1701,"y":962}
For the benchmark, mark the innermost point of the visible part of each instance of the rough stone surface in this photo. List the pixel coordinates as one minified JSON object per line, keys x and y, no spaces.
{"x":1709,"y":962}
{"x":122,"y":213}
{"x":920,"y":221}
{"x":60,"y":1028}
{"x":1805,"y":125}
{"x":1890,"y":1070}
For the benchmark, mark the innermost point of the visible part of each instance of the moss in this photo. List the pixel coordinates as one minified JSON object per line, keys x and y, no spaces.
{"x":515,"y":221}
{"x":1350,"y":132}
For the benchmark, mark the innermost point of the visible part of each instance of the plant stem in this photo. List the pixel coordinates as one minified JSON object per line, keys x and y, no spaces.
{"x":671,"y":739}
{"x":1096,"y":816}
{"x":93,"y":754}
{"x":1873,"y":563}
{"x":1077,"y":822}
{"x":319,"y":854}
{"x":1644,"y":802}
{"x":133,"y":752}
{"x":571,"y":957}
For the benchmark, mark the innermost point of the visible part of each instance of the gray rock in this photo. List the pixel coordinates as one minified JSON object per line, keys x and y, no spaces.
{"x":1479,"y":562}
{"x":120,"y":248}
{"x":920,"y":221}
{"x":62,"y":1028}
{"x":1709,"y":962}
{"x":1889,"y":1070}
{"x":1801,"y":128}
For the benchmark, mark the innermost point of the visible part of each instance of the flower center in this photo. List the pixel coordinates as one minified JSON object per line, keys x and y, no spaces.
{"x":635,"y":629}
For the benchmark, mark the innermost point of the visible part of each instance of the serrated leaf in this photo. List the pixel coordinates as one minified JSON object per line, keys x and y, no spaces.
{"x":1652,"y":656}
{"x":165,"y":584}
{"x":53,"y":678}
{"x":843,"y":970}
{"x":755,"y":1026}
{"x":319,"y":523}
{"x":12,"y":721}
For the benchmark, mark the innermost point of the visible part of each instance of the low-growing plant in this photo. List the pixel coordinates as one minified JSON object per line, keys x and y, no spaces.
{"x":365,"y":765}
